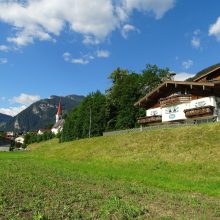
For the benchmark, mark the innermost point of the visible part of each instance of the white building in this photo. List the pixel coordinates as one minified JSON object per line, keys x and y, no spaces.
{"x":178,"y":102}
{"x":19,"y":140}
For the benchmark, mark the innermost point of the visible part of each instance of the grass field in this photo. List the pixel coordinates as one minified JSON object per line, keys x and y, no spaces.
{"x":160,"y":174}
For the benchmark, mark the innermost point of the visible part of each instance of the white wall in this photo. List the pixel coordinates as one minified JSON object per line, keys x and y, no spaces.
{"x":154,"y":111}
{"x":203,"y":102}
{"x":56,"y":130}
{"x":218,"y":108}
{"x":176,"y":112}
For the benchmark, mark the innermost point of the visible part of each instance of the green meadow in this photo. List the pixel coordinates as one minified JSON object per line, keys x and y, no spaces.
{"x":159,"y":174}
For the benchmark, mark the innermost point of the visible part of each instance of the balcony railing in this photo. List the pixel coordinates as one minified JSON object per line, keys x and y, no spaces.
{"x":199,"y":112}
{"x":150,"y":119}
{"x":174,"y":100}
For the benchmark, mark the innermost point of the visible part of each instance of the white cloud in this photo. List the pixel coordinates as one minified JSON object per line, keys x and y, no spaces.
{"x":90,"y":40}
{"x":214,"y":29}
{"x":197,"y":32}
{"x":45,"y":19}
{"x":25,"y":99}
{"x":103,"y":53}
{"x":187,"y":64}
{"x":95,"y":20}
{"x":82,"y":61}
{"x":86,"y":58}
{"x":183,"y":76}
{"x":67,"y":56}
{"x":157,"y":7}
{"x":27,"y":37}
{"x":196,"y":42}
{"x":128,"y":28}
{"x":12,"y":110}
{"x":3,"y":60}
{"x":4,"y":48}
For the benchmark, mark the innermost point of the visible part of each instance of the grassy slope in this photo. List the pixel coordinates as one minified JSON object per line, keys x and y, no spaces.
{"x":162,"y":174}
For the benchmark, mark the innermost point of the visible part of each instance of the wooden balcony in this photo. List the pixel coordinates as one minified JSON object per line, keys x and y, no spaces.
{"x":199,"y":112}
{"x":150,"y":119}
{"x":174,"y":100}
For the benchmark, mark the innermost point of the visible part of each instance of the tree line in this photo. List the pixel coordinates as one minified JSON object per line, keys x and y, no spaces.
{"x":115,"y":109}
{"x":33,"y":137}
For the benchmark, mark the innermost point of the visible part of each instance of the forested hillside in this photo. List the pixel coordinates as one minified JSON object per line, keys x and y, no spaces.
{"x":115,"y":109}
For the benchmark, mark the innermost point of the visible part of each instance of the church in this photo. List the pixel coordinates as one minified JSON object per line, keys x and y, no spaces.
{"x":58,"y":126}
{"x":183,"y":101}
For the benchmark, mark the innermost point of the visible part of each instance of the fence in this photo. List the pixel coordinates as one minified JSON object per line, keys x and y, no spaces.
{"x":160,"y":126}
{"x":5,"y":148}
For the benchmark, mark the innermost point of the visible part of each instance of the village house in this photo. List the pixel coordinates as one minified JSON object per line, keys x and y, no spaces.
{"x":20,"y":140}
{"x":10,"y":134}
{"x":183,"y":101}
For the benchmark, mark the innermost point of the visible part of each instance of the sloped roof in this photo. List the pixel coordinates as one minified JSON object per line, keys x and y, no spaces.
{"x":164,"y":89}
{"x":58,"y":124}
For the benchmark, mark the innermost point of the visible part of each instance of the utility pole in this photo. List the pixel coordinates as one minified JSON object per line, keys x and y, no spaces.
{"x":90,"y":121}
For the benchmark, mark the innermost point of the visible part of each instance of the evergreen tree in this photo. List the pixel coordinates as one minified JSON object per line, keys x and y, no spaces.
{"x":126,"y":89}
{"x":87,"y":118}
{"x":121,"y":97}
{"x":152,"y":76}
{"x":115,"y":110}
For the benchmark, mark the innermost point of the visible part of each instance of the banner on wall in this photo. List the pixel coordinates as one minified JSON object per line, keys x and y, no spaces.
{"x":173,"y":113}
{"x":176,"y":112}
{"x":154,"y":112}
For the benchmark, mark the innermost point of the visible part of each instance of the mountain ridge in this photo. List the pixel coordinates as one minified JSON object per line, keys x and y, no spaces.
{"x":4,"y":119}
{"x":41,"y":114}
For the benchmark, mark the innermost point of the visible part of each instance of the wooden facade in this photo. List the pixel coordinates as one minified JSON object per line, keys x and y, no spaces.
{"x":174,"y":101}
{"x":199,"y":111}
{"x":150,"y":119}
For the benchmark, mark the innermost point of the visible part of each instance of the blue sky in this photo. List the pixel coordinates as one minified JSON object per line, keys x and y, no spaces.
{"x":52,"y":47}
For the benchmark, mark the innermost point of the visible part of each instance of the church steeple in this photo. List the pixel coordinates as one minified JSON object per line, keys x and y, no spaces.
{"x":59,"y":112}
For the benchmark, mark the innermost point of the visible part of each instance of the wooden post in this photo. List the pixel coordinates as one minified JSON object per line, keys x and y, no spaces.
{"x":90,"y":121}
{"x":141,"y":128}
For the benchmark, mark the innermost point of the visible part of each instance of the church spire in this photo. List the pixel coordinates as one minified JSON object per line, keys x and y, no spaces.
{"x":59,"y":112}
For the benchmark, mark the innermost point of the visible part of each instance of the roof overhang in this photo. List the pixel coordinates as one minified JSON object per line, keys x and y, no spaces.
{"x":167,"y":87}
